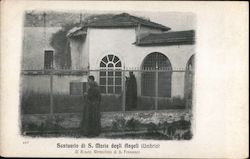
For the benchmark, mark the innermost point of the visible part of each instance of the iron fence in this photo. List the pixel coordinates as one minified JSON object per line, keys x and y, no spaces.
{"x":130,"y":89}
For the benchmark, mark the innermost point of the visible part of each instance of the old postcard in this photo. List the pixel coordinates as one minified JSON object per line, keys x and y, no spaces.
{"x":124,"y":79}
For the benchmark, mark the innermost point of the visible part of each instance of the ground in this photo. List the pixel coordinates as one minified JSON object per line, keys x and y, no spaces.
{"x":168,"y":124}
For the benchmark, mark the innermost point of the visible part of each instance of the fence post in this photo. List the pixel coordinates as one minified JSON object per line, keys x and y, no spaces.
{"x":51,"y":93}
{"x":123,"y":92}
{"x":185,"y":88}
{"x":156,"y":89}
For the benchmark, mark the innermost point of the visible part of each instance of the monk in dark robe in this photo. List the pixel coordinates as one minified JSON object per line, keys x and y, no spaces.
{"x":131,"y":92}
{"x":91,"y":120}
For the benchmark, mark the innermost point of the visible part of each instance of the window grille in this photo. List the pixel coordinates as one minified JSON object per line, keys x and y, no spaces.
{"x":48,"y":59}
{"x":156,"y":61}
{"x":111,"y":77}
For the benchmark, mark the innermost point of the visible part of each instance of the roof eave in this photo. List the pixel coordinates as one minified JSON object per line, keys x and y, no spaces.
{"x":165,"y":43}
{"x":163,"y":28}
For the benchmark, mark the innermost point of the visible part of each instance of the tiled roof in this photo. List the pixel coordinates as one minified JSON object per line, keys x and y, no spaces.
{"x":120,"y":20}
{"x":125,"y":20}
{"x":168,"y":38}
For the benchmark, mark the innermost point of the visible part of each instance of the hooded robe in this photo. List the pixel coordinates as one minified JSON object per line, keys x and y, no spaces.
{"x":91,"y":120}
{"x":131,"y":93}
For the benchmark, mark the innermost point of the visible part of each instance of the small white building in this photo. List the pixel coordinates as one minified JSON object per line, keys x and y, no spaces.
{"x":126,"y":42}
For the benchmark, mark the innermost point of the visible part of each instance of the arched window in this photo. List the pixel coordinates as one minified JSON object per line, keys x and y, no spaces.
{"x":152,"y":62}
{"x":111,"y":77}
{"x":189,"y":76}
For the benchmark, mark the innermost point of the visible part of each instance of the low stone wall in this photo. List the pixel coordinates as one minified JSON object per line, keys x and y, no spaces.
{"x":110,"y":121}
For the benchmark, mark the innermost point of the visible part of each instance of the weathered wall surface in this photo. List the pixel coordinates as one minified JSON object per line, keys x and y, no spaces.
{"x":76,"y":53}
{"x":79,"y":52}
{"x":34,"y":44}
{"x":41,"y":83}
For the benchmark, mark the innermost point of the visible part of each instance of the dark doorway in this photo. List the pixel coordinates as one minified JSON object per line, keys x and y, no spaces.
{"x":152,"y":62}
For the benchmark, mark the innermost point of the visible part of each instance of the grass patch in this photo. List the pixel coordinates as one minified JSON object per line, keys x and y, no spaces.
{"x":171,"y":103}
{"x":35,"y":103}
{"x":39,"y":103}
{"x":111,"y":103}
{"x":148,"y":103}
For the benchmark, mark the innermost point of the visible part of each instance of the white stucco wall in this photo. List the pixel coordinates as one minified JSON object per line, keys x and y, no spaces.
{"x":119,"y":42}
{"x":33,"y":58}
{"x":79,"y":52}
{"x":143,"y":31}
{"x":34,"y":44}
{"x":76,"y":46}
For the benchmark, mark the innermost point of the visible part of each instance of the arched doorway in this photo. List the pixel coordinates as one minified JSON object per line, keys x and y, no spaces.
{"x":156,"y":61}
{"x":189,"y":78}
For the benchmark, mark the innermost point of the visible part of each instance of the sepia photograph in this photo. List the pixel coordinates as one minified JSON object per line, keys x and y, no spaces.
{"x":108,"y":75}
{"x":124,"y":79}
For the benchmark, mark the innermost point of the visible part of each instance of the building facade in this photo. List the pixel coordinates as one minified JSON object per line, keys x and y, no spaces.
{"x":127,"y":42}
{"x":120,"y":42}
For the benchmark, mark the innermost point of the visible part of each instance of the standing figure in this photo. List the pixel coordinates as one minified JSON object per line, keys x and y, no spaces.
{"x":91,"y":120}
{"x":131,"y":92}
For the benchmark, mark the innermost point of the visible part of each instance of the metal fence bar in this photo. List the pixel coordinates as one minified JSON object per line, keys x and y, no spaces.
{"x":51,"y":94}
{"x":52,"y":72}
{"x":86,"y":72}
{"x":123,"y":92}
{"x":106,"y":88}
{"x":156,"y":90}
